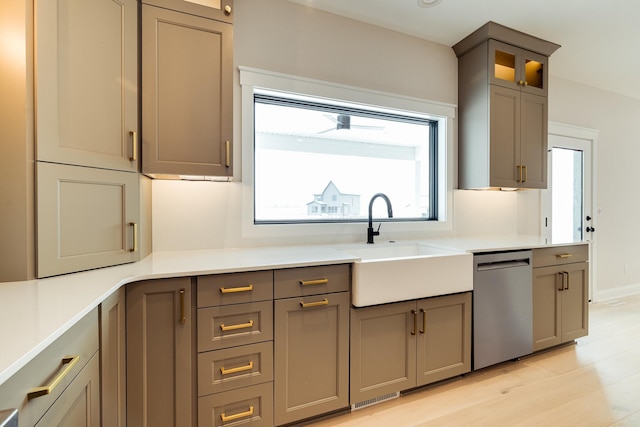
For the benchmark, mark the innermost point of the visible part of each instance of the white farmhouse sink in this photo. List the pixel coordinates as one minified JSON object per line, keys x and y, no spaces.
{"x":389,"y":272}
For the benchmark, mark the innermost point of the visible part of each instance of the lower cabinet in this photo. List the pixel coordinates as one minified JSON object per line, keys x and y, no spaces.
{"x":113,"y":360}
{"x":160,"y":354}
{"x":399,"y":346}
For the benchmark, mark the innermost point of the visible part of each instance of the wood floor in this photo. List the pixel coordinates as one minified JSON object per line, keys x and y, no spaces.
{"x":594,"y":382}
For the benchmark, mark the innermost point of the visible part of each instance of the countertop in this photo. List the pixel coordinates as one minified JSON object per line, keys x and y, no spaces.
{"x":35,"y":313}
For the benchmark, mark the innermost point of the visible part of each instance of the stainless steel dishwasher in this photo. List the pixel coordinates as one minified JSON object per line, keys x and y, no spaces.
{"x":502,"y":307}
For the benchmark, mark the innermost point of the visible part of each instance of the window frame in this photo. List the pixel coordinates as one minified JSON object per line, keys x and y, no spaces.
{"x":253,"y":79}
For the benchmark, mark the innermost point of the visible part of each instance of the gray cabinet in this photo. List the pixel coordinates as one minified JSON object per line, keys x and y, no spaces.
{"x":187,"y":93}
{"x":113,"y":361}
{"x":502,"y":90}
{"x":560,"y":295}
{"x":403,"y":345}
{"x":160,"y":353}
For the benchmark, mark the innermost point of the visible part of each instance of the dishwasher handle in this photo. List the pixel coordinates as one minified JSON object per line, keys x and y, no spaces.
{"x":495,"y":265}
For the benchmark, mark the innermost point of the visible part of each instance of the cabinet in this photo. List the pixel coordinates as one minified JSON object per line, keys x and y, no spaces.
{"x":502,"y":86}
{"x":187,"y":91}
{"x":160,"y":353}
{"x":113,"y":360}
{"x":60,"y":386}
{"x":403,"y":345}
{"x":311,"y":341}
{"x":560,"y":295}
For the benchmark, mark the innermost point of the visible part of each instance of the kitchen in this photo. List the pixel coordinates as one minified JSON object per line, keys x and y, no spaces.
{"x":203,"y":215}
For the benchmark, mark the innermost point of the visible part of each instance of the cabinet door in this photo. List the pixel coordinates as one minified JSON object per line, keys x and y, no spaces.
{"x":444,"y":337}
{"x":79,"y":404}
{"x":160,"y":383}
{"x":312,"y":362}
{"x":547,"y":306}
{"x":187,"y":84}
{"x":87,"y":218}
{"x":383,"y":350}
{"x":113,"y":360}
{"x":533,"y":141}
{"x":575,"y":300}
{"x":504,"y":129}
{"x":87,"y":82}
{"x":517,"y":68}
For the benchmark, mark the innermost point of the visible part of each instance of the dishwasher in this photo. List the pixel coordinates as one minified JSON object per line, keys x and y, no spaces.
{"x":502,"y":307}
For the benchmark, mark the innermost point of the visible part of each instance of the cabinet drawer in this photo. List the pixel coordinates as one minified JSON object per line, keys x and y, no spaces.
{"x":247,"y":406}
{"x":55,"y":362}
{"x":233,"y":325}
{"x":235,"y":367}
{"x":560,"y":255}
{"x":294,"y":282}
{"x":236,"y":288}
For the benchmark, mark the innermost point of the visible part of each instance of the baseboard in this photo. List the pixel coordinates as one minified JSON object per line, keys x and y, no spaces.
{"x":620,"y":292}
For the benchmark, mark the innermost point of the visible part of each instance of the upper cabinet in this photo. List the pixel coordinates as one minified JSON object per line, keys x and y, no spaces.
{"x":187,"y":89}
{"x":87,"y":83}
{"x":503,"y":109}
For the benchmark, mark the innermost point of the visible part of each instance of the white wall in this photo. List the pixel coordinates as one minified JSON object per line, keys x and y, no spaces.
{"x":280,"y":36}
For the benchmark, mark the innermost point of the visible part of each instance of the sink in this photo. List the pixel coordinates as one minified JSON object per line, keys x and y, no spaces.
{"x":400,"y":271}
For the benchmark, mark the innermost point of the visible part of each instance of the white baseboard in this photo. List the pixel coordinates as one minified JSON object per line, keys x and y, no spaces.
{"x":610,"y":294}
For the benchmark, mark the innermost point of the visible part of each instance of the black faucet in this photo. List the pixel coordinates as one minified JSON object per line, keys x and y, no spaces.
{"x":370,"y":232}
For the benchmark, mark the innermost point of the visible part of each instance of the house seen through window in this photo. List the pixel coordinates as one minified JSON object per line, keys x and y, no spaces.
{"x":322,"y":161}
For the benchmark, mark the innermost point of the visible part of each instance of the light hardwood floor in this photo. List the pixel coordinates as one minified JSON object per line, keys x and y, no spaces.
{"x":594,"y":382}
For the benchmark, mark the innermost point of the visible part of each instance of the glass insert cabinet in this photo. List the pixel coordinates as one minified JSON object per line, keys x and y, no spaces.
{"x":519,"y":68}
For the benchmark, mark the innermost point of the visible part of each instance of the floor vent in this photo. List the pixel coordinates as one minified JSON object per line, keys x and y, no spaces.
{"x":374,"y":401}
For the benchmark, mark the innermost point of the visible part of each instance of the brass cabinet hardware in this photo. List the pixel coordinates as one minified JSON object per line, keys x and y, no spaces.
{"x":424,"y":320}
{"x":224,"y":328}
{"x":134,"y":146}
{"x":227,"y":156}
{"x":227,"y":10}
{"x":247,"y":288}
{"x":322,"y":281}
{"x":182,"y":319}
{"x":566,"y":281}
{"x":226,"y":418}
{"x":314,"y":304}
{"x":248,"y":367}
{"x":68,"y":362}
{"x":525,"y":173}
{"x":563,"y":255}
{"x":519,"y":179}
{"x":134,"y":227}
{"x":415,"y":322}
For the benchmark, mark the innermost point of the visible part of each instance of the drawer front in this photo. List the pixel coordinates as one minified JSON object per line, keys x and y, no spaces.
{"x":249,"y":406}
{"x":233,"y":325}
{"x":63,"y":360}
{"x":236,"y":367}
{"x":303,"y":281}
{"x":560,"y":255}
{"x":235,"y":288}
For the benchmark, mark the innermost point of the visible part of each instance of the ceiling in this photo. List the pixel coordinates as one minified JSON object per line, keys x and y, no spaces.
{"x":600,"y":39}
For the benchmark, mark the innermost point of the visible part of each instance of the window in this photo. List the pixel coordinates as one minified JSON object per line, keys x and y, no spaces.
{"x":322,"y":161}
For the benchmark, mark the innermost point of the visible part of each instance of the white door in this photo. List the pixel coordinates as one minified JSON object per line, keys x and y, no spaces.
{"x":568,"y":203}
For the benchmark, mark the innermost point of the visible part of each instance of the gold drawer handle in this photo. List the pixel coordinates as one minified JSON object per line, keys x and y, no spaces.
{"x":134,"y":228}
{"x":224,"y":328}
{"x":322,"y":281}
{"x":563,"y":255}
{"x":134,"y":146}
{"x":233,"y":417}
{"x":240,"y":289}
{"x":70,"y":362}
{"x":314,"y":304}
{"x":248,"y":367}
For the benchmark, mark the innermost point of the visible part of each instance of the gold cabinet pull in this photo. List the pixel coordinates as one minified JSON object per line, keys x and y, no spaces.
{"x":134,"y":146}
{"x":415,"y":322}
{"x":424,"y":320}
{"x":248,"y":288}
{"x":566,"y":281}
{"x":227,"y":155}
{"x":314,"y":304}
{"x":134,"y":228}
{"x":563,"y":255}
{"x":224,"y":328}
{"x":322,"y":281}
{"x":68,"y":362}
{"x":525,"y":174}
{"x":182,"y":318}
{"x":225,"y":418}
{"x":519,"y":179}
{"x":248,"y":367}
{"x":227,"y":10}
{"x":561,"y":277}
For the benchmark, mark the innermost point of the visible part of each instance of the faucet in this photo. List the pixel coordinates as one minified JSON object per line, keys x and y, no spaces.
{"x":370,"y":232}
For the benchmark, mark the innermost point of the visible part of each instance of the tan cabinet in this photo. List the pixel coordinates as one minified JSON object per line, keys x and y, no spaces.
{"x":187,"y":99}
{"x":87,"y":83}
{"x":502,"y":91}
{"x":560,"y":295}
{"x":160,"y":353}
{"x":403,"y":345}
{"x":60,"y":386}
{"x":113,"y":360}
{"x":87,"y":218}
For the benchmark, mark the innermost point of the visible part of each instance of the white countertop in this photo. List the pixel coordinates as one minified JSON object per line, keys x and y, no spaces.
{"x":35,"y":313}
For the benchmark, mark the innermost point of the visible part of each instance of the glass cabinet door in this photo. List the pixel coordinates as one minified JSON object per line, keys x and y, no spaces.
{"x":517,"y":68}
